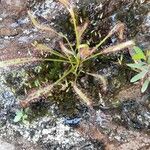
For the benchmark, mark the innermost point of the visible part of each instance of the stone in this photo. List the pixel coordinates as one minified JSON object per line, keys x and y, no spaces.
{"x":6,"y":146}
{"x":14,"y":3}
{"x":13,"y":7}
{"x":8,"y":31}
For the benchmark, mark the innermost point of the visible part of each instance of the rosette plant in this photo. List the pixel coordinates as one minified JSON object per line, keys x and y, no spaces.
{"x":75,"y":55}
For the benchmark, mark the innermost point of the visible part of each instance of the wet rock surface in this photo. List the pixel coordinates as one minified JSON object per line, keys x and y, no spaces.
{"x":49,"y":131}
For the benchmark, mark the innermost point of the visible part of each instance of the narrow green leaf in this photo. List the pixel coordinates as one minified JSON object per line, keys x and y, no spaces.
{"x":145,"y":85}
{"x":136,"y":65}
{"x":139,"y":76}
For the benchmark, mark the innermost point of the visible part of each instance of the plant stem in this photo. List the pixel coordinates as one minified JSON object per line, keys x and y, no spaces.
{"x":57,"y":60}
{"x":77,"y":64}
{"x":100,"y":43}
{"x":64,"y":75}
{"x":75,"y":27}
{"x":67,"y":41}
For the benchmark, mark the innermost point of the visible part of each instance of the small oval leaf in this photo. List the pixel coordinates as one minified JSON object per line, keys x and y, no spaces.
{"x":18,"y":116}
{"x":139,"y":76}
{"x":139,"y":54}
{"x":145,"y":85}
{"x":136,"y":65}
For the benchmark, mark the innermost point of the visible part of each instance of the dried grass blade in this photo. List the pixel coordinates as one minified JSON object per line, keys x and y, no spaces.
{"x":36,"y":94}
{"x":65,"y":50}
{"x":101,"y":78}
{"x":119,"y":27}
{"x":45,"y":48}
{"x":118,"y":47}
{"x":41,"y":47}
{"x":111,"y":49}
{"x":84,"y":98}
{"x":81,"y":29}
{"x":39,"y":26}
{"x":18,"y":61}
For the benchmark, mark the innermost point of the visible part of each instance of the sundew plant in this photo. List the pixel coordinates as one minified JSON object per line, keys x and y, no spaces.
{"x":73,"y":55}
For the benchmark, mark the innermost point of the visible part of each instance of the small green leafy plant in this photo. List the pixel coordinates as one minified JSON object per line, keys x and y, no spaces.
{"x":21,"y":116}
{"x":72,"y":55}
{"x":142,"y":66}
